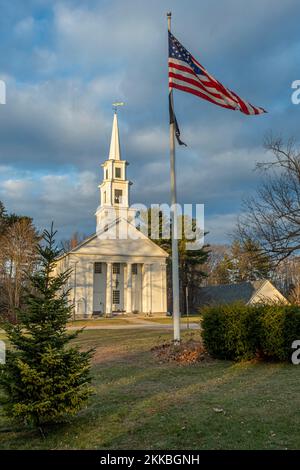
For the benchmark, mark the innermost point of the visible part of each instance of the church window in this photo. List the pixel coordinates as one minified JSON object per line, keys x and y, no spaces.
{"x":106,"y":174}
{"x":118,"y":172}
{"x":98,"y":268}
{"x":105,"y":227}
{"x":104,"y":197}
{"x":118,"y":196}
{"x":116,"y":268}
{"x":134,"y":269}
{"x":116,"y":296}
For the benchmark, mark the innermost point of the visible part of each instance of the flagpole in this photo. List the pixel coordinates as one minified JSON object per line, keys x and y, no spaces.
{"x":175,"y":267}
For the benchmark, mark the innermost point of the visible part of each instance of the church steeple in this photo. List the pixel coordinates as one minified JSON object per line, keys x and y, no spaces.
{"x":115,"y":187}
{"x":114,"y":151}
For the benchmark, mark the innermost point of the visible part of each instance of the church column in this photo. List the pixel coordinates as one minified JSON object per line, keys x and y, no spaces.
{"x":108,"y":307}
{"x":150,"y":287}
{"x":144,"y":289}
{"x":129,"y":288}
{"x":163,"y":268}
{"x":146,"y":298}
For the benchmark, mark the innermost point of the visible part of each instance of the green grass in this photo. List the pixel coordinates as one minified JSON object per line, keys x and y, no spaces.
{"x":142,"y":404}
{"x":100,"y":322}
{"x":168,"y":320}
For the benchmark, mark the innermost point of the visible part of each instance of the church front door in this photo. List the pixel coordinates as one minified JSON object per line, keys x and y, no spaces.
{"x":118,"y":288}
{"x":99,"y":288}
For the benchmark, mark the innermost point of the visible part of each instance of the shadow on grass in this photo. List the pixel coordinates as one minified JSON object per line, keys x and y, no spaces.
{"x":140,"y":403}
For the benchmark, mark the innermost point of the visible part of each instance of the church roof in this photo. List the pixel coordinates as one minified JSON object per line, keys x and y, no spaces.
{"x":137,"y":244}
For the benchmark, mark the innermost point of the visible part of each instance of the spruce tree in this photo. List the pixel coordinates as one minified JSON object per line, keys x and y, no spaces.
{"x":45,"y":378}
{"x":191,"y":262}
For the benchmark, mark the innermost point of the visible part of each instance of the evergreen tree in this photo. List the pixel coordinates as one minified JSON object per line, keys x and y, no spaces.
{"x":3,"y":218}
{"x":45,"y":379}
{"x":249,"y":261}
{"x":222,"y":274}
{"x":191,"y":262}
{"x":244,"y":261}
{"x":7,"y":220}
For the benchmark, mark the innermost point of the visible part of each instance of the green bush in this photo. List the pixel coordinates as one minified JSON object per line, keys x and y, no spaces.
{"x":271,"y":332}
{"x":280,"y":326}
{"x":231,"y":331}
{"x":237,"y":331}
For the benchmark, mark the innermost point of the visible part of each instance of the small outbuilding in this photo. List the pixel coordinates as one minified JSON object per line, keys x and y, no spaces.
{"x":251,"y":292}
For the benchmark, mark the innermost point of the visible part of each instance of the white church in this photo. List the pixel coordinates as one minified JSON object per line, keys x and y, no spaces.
{"x":119,"y":269}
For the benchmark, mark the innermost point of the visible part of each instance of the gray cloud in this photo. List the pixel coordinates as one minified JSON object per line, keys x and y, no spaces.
{"x":67,"y":61}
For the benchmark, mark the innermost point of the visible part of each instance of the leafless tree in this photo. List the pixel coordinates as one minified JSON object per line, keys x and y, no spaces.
{"x":272,"y":217}
{"x":216,"y":256}
{"x":286,"y":277}
{"x":71,"y":243}
{"x":18,"y":256}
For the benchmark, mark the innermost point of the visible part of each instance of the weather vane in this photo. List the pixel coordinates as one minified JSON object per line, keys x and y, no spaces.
{"x":115,"y":105}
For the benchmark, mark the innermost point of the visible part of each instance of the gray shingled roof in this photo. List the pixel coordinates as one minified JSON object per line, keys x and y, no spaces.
{"x":228,"y":293}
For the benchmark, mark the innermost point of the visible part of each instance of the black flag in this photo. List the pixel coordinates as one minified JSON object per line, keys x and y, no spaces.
{"x":173,"y":120}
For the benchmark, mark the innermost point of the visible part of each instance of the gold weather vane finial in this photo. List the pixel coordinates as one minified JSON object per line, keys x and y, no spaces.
{"x":115,"y":105}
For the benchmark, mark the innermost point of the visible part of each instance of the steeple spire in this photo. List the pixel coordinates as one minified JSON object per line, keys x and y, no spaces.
{"x":115,"y":187}
{"x":114,"y":151}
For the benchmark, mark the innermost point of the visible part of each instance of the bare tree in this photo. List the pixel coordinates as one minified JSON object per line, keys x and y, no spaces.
{"x":242,"y":261}
{"x":218,"y":254}
{"x":18,"y":253}
{"x":75,"y":239}
{"x":286,"y":277}
{"x":272,"y":217}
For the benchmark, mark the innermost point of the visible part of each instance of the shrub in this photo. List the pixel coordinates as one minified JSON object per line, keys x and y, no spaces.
{"x":237,"y":331}
{"x":271,"y":332}
{"x":280,"y":326}
{"x":231,"y":331}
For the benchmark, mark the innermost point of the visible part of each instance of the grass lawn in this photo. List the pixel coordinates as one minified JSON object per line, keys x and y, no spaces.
{"x":169,"y":320}
{"x":100,"y":322}
{"x":142,"y":404}
{"x":123,"y":321}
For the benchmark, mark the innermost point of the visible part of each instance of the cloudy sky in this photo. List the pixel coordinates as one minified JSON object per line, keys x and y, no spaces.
{"x":65,"y":62}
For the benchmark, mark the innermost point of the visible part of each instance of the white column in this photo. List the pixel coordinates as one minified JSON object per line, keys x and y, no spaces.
{"x":129,"y":288}
{"x":108,"y":307}
{"x":144,"y":290}
{"x":163,"y":268}
{"x":146,"y":283}
{"x":150,"y":287}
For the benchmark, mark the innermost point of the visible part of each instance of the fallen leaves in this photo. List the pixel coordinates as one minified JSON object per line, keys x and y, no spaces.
{"x":190,"y":352}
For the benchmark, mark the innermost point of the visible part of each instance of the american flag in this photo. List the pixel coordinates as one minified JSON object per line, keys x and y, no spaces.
{"x":186,"y":74}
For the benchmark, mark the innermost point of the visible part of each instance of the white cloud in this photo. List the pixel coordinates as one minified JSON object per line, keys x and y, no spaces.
{"x":69,"y":199}
{"x":45,"y":60}
{"x":16,"y":189}
{"x":24,"y":27}
{"x":150,"y":140}
{"x":58,"y":113}
{"x":220,"y":227}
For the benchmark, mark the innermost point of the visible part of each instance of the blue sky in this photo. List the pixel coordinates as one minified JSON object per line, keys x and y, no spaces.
{"x":65,"y":62}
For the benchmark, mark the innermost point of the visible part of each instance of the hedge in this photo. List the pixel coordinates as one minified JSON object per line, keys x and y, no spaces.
{"x":238,"y":331}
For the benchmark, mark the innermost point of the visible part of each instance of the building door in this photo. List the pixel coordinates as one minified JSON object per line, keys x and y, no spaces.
{"x":99,"y":287}
{"x":118,"y":287}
